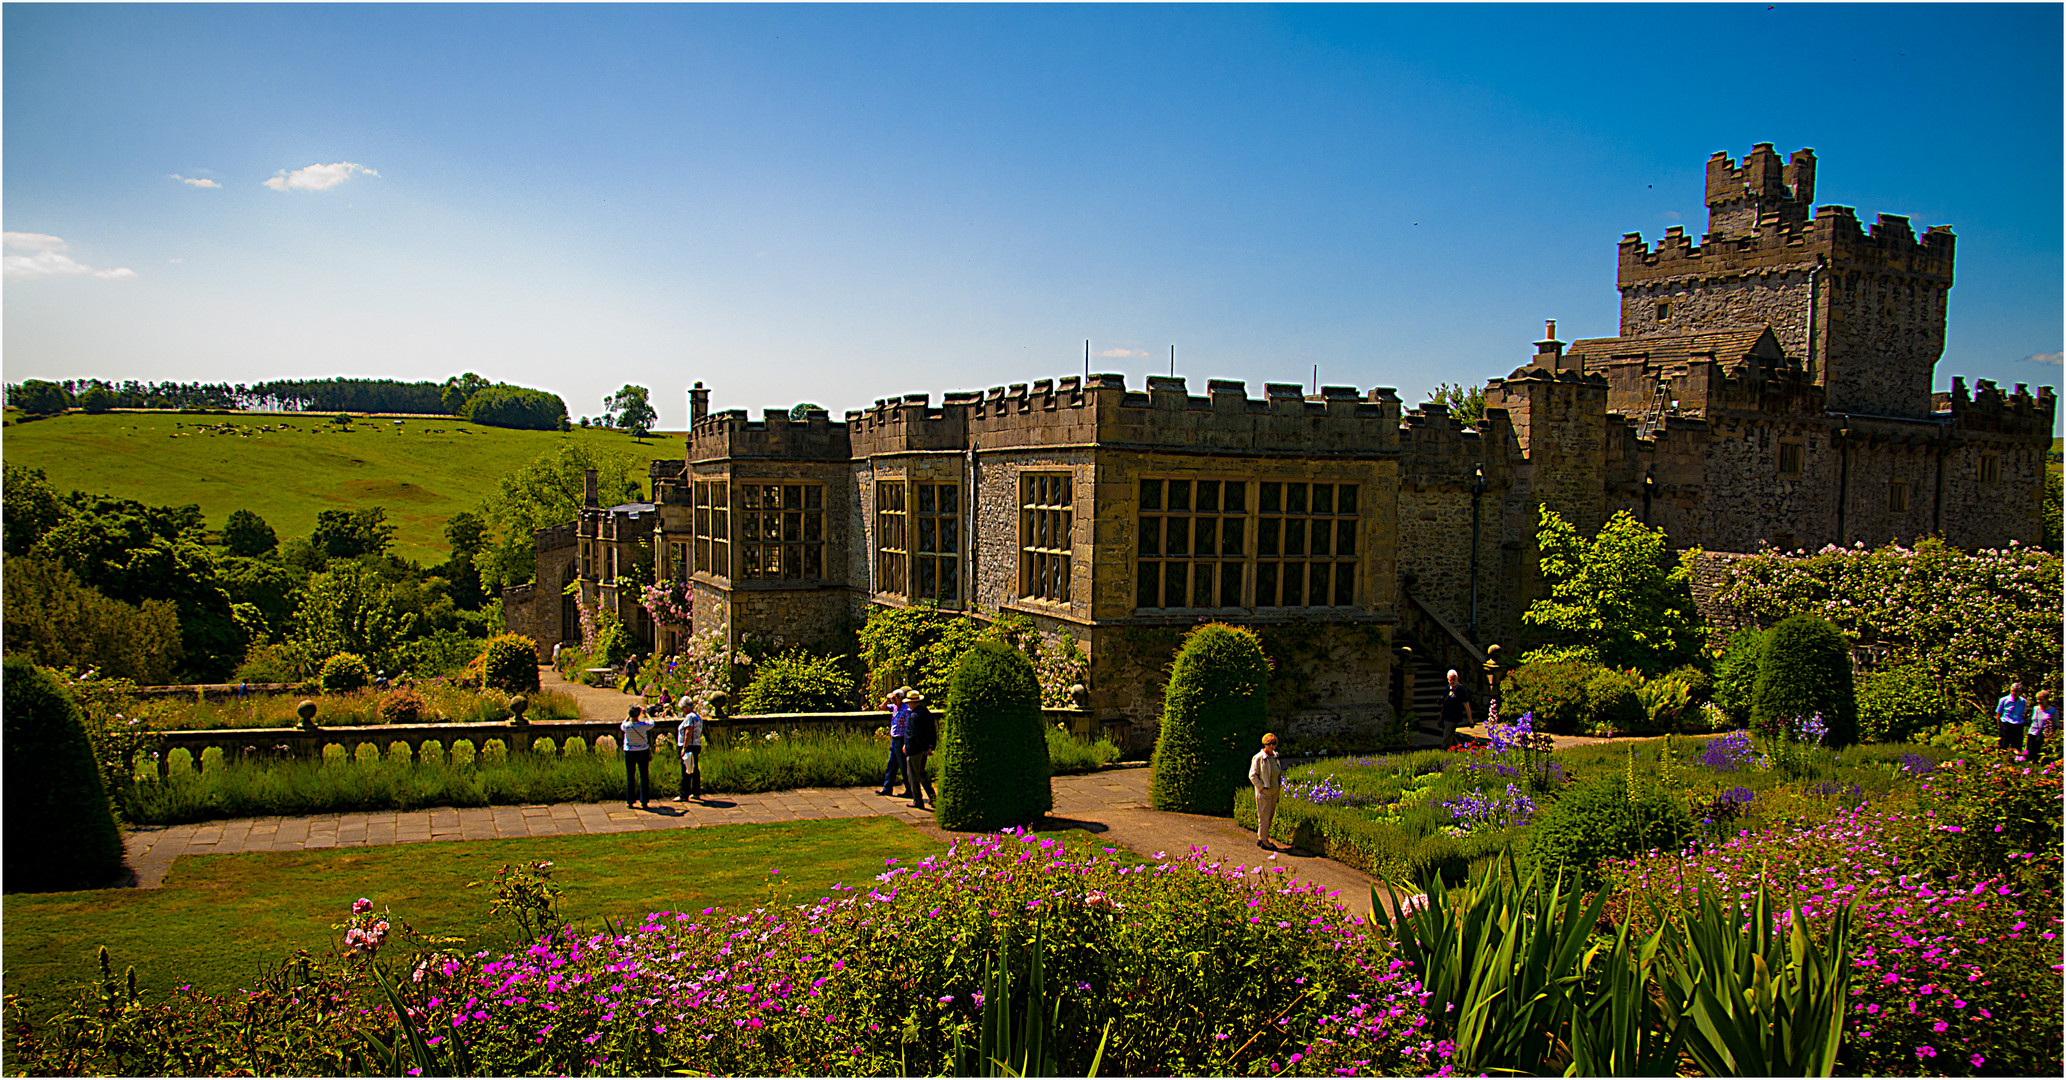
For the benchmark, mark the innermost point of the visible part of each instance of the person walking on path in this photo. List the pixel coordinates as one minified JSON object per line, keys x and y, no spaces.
{"x":2013,"y":711}
{"x":2044,"y":719}
{"x":688,"y":736}
{"x":1266,"y":772}
{"x":898,"y":703}
{"x":921,"y":735}
{"x":638,"y":758}
{"x":631,"y":670}
{"x":1456,"y":708}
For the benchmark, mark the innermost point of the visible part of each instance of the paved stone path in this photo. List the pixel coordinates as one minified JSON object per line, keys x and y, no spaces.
{"x":1112,"y":804}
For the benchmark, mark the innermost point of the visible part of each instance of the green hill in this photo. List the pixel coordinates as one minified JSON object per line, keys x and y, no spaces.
{"x":286,"y":467}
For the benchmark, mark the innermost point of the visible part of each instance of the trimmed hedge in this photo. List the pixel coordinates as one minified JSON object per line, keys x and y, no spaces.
{"x":1554,"y":692}
{"x":1736,"y":674}
{"x":509,"y":662}
{"x":1212,"y":721}
{"x":1806,"y":669}
{"x":59,"y":828}
{"x":993,"y":743}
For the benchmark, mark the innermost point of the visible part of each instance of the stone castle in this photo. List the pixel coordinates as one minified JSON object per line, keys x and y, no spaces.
{"x":1771,"y":385}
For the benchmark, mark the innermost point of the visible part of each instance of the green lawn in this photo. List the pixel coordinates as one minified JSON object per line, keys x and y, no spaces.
{"x":219,"y":917}
{"x":422,"y":470}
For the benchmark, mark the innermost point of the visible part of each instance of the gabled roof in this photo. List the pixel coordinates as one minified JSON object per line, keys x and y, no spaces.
{"x":1732,"y":348}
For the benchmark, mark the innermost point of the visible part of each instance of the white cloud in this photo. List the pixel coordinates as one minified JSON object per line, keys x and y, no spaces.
{"x":1119,"y":353}
{"x":317,"y":177}
{"x":36,"y":255}
{"x":2048,"y":359}
{"x":195,"y":181}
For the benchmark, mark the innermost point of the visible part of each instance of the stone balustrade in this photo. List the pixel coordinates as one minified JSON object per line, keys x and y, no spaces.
{"x":287,"y":744}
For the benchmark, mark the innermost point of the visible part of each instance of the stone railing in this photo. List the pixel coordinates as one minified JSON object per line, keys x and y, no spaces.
{"x":308,"y":743}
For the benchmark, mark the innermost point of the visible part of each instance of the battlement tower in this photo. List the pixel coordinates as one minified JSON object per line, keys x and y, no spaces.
{"x":1861,"y":310}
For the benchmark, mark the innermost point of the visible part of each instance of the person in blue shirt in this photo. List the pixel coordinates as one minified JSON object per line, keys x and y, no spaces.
{"x":689,"y":738}
{"x":899,"y":705}
{"x":2013,"y":711}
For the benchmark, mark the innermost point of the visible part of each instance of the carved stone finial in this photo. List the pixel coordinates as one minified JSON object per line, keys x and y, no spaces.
{"x":307,"y":712}
{"x":517,"y":705}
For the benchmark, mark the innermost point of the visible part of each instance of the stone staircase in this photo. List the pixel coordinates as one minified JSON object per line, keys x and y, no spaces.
{"x":1424,"y":703}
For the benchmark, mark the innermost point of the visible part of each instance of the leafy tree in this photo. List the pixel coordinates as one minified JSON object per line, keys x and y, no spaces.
{"x":97,"y":399}
{"x":545,"y":492}
{"x":1806,"y":670}
{"x":460,"y":389}
{"x":348,"y":609}
{"x":270,"y":589}
{"x":59,"y":827}
{"x":1616,"y":599}
{"x":631,"y":409}
{"x":803,"y":409}
{"x":994,"y":770}
{"x":467,"y":532}
{"x":1467,"y":405}
{"x":132,"y":553}
{"x":247,"y":534}
{"x":55,"y":621}
{"x":32,"y":508}
{"x":39,"y":398}
{"x":348,"y":534}
{"x":1212,"y":720}
{"x":508,"y":406}
{"x":1736,"y":674}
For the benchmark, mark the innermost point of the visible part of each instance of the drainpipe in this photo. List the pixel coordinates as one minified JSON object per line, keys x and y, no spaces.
{"x":968,"y":531}
{"x":1477,"y":501}
{"x":1649,"y":491}
{"x":1843,"y":479}
{"x":1814,"y":293}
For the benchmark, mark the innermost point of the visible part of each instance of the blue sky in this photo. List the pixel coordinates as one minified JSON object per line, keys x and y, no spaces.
{"x":843,"y":203}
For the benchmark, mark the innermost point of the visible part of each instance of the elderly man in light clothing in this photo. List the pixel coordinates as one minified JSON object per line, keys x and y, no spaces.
{"x":1266,"y":772}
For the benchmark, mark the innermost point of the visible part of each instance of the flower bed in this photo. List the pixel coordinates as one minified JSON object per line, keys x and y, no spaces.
{"x":1192,"y":965}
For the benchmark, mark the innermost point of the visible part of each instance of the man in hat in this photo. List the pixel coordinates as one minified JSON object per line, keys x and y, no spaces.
{"x":899,"y":705}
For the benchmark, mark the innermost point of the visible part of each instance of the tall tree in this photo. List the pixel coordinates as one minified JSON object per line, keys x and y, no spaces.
{"x":31,"y":508}
{"x":348,"y":534}
{"x":1618,"y":599}
{"x":1467,"y":405}
{"x":545,"y":492}
{"x":630,"y":409}
{"x":247,"y":534}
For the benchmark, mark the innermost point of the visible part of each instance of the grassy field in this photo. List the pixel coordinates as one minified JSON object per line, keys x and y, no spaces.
{"x":287,"y":467}
{"x":218,"y":917}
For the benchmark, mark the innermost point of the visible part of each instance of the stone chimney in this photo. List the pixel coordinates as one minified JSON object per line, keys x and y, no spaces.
{"x":699,"y":404}
{"x":589,"y":497}
{"x":1549,"y":352}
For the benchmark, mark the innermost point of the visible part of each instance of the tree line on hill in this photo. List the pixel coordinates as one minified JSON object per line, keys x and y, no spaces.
{"x":145,"y":593}
{"x":469,"y":396}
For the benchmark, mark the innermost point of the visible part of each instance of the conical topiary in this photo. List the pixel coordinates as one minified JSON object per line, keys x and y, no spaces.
{"x":1805,"y":670}
{"x":59,"y":829}
{"x":993,"y":750}
{"x":1212,"y":720}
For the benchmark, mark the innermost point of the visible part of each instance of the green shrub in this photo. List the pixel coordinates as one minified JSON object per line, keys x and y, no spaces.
{"x":344,"y":673}
{"x":1611,"y":704}
{"x":509,"y":662}
{"x":993,"y":743}
{"x":1899,"y":702}
{"x":1437,"y":855}
{"x":612,"y":642}
{"x":1554,"y":692}
{"x":915,"y":646}
{"x":797,"y":682}
{"x":1601,"y":818}
{"x":1212,"y":720}
{"x":403,"y":706}
{"x":1736,"y":675}
{"x":59,"y":828}
{"x":1806,"y":670}
{"x":1667,"y":705}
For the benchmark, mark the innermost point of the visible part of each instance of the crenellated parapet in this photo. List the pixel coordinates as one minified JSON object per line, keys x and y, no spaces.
{"x":732,"y":435}
{"x":1834,"y":239}
{"x":1436,"y":450}
{"x":1987,"y":408}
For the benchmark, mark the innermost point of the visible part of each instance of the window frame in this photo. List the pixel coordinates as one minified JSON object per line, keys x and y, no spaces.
{"x":1047,"y":511}
{"x":779,"y":527}
{"x":1279,"y":520}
